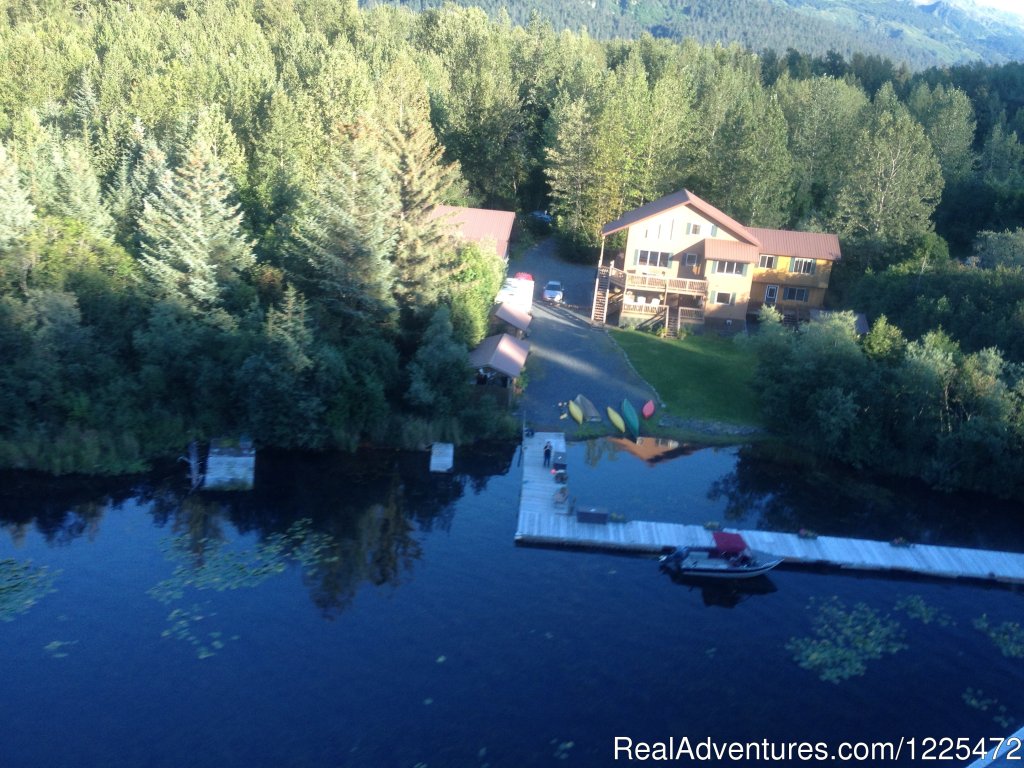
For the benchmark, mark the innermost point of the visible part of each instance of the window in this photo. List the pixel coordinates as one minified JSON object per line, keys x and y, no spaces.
{"x":714,"y":230}
{"x":691,"y":259}
{"x":794,"y":294}
{"x":803,"y":266}
{"x":724,"y":298}
{"x":653,"y":258}
{"x":696,"y":229}
{"x":771,"y":295}
{"x":767,"y":262}
{"x":730,"y":268}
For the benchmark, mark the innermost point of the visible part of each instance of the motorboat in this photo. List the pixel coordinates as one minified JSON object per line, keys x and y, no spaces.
{"x":728,"y":558}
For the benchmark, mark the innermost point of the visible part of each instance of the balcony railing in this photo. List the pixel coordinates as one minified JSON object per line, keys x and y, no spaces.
{"x":641,"y":282}
{"x":690,"y":314}
{"x":642,"y":308}
{"x":783,"y":277}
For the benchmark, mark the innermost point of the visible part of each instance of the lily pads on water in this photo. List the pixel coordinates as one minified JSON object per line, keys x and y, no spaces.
{"x":1008,"y":636}
{"x":916,"y":608}
{"x":22,"y":585}
{"x":845,"y":639}
{"x":210,"y":565}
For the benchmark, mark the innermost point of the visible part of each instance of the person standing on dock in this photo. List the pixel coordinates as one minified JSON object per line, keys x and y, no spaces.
{"x":547,"y":454}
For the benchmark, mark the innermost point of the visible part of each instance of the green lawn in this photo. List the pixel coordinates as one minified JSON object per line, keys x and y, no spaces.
{"x":700,"y":377}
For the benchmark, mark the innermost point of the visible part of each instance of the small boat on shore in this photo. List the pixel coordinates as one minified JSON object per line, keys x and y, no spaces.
{"x":630,"y":417}
{"x":575,"y":411}
{"x":728,"y":558}
{"x":616,"y":419}
{"x":587,"y":408}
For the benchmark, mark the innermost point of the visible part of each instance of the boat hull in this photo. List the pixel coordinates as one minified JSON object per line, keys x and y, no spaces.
{"x":632,"y":420}
{"x":648,"y":409}
{"x":575,"y":411}
{"x":705,"y":565}
{"x":587,"y":408}
{"x":616,"y":419}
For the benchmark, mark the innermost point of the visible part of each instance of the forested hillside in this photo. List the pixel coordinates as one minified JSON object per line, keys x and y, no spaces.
{"x":918,"y":35}
{"x":215,"y":217}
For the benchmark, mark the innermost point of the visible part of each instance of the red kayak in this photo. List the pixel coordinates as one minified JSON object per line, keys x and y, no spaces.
{"x":648,"y":409}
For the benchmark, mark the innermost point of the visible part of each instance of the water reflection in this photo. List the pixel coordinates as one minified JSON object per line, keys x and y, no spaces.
{"x":724,"y":593}
{"x":836,"y":501}
{"x":345,"y":519}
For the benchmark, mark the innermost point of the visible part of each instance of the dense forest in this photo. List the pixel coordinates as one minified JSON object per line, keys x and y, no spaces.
{"x":215,"y":217}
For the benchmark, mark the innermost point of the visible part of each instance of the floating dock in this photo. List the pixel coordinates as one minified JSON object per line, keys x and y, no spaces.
{"x":442,"y":457}
{"x":230,"y":466}
{"x":546,"y":518}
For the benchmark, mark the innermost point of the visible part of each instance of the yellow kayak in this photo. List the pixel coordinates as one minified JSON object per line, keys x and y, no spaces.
{"x":575,"y":411}
{"x":616,"y":419}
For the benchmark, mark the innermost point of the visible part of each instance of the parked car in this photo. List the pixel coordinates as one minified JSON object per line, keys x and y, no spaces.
{"x":553,"y":292}
{"x":539,"y":222}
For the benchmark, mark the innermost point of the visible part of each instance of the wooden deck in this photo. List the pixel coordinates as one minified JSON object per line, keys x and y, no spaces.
{"x":543,"y":522}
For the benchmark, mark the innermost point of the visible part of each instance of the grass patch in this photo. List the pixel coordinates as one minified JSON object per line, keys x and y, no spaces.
{"x":706,"y":378}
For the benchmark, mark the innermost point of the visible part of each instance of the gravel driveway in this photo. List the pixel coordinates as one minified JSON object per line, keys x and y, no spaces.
{"x":567,"y":355}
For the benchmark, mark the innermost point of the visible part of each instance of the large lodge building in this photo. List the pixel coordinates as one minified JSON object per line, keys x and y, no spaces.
{"x":687,"y":264}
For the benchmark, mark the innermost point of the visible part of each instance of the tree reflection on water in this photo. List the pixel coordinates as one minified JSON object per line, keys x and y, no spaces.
{"x":837,"y":501}
{"x":343,"y":519}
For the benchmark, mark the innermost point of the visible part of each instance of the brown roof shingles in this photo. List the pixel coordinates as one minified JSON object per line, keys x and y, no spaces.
{"x":502,"y":353}
{"x":821,"y":246}
{"x":479,"y":225}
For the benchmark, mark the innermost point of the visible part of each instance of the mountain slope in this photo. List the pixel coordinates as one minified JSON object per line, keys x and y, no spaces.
{"x":919,"y":33}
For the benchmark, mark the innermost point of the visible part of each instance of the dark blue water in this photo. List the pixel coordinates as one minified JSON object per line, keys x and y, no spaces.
{"x":363,"y":613}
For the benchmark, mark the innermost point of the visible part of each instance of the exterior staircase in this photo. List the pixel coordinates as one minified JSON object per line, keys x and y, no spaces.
{"x":671,"y":322}
{"x":599,"y":312}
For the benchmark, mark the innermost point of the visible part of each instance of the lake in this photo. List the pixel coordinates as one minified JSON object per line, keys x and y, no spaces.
{"x":358,"y":611}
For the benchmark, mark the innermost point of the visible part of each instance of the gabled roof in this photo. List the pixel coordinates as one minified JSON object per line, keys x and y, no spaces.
{"x":479,"y":225}
{"x":803,"y":245}
{"x":683,"y":197}
{"x":502,"y":353}
{"x":514,"y":316}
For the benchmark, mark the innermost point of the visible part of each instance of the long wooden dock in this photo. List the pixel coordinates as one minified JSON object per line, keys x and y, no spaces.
{"x":544,"y":520}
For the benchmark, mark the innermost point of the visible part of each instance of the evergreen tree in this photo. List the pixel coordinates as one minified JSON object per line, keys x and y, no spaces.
{"x":423,"y":250}
{"x":78,"y":189}
{"x":280,"y":173}
{"x":139,"y":170}
{"x":347,"y":235}
{"x":193,"y":246}
{"x":438,"y":372}
{"x":16,"y":217}
{"x":16,"y":212}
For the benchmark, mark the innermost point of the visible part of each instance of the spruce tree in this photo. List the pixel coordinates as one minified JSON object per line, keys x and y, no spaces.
{"x":78,"y":189}
{"x":347,"y":233}
{"x":193,"y":245}
{"x":16,"y":212}
{"x":423,"y":250}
